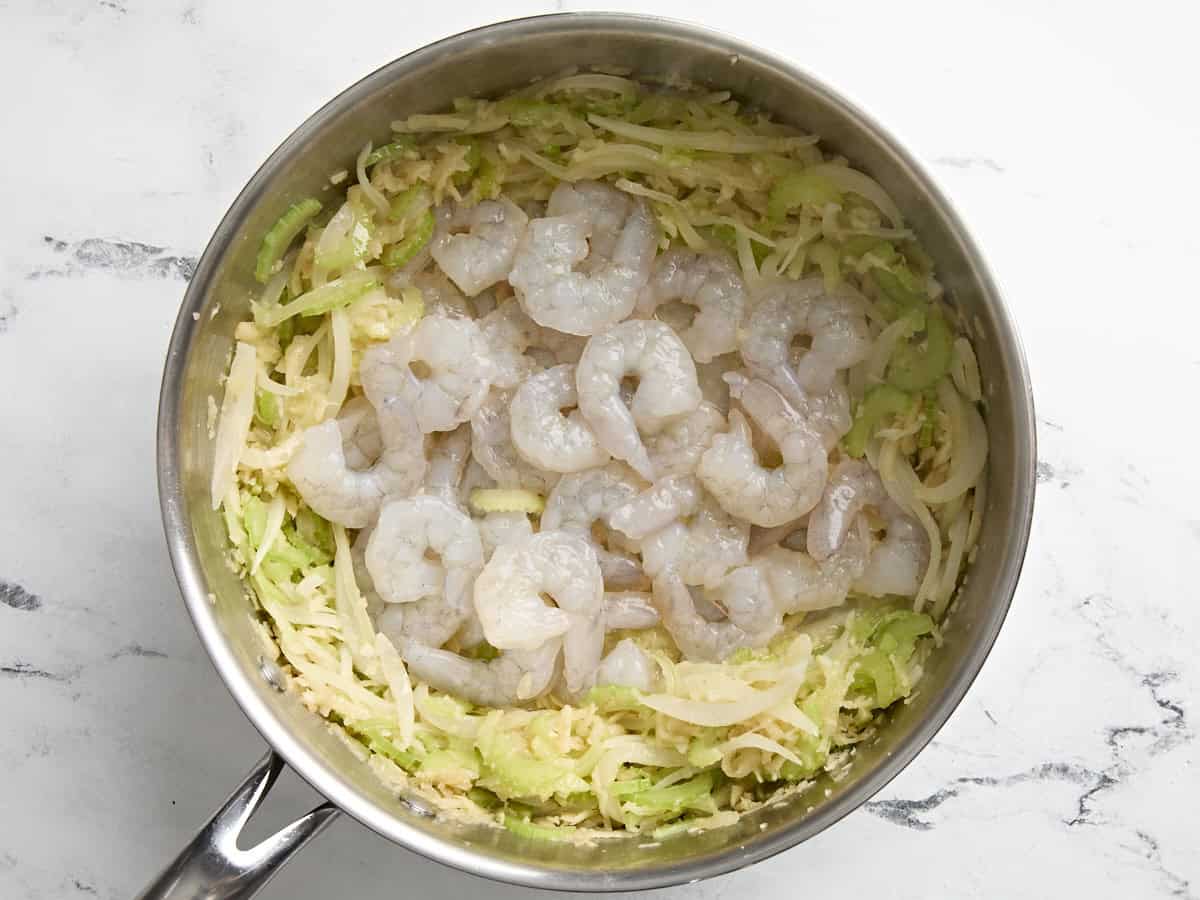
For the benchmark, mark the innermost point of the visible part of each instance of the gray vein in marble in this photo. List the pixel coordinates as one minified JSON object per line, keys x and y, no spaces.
{"x":138,"y":650}
{"x":1178,"y":886}
{"x":1051,"y":424}
{"x":128,"y":258}
{"x":14,"y":596}
{"x":84,"y":888}
{"x":22,"y":671}
{"x":115,"y":7}
{"x":970,"y":162}
{"x":907,"y":813}
{"x":1059,"y":475}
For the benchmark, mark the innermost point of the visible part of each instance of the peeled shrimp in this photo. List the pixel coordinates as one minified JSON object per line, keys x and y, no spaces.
{"x":676,"y":450}
{"x":440,"y":296}
{"x":697,"y":638}
{"x":493,"y":449}
{"x":454,"y":371}
{"x":712,"y":285}
{"x":580,"y":499}
{"x":397,"y":553}
{"x":628,"y":665}
{"x":580,"y":269}
{"x":666,"y":390}
{"x":657,"y":507}
{"x":508,"y":599}
{"x":483,"y":255}
{"x":447,"y":461}
{"x":895,"y":565}
{"x":800,"y":583}
{"x":702,"y":549}
{"x":853,"y":486}
{"x":513,"y":677}
{"x":325,"y":481}
{"x":508,"y":333}
{"x":361,"y":441}
{"x":730,"y":469}
{"x":542,"y":434}
{"x":499,"y":528}
{"x":629,"y":610}
{"x":835,"y":323}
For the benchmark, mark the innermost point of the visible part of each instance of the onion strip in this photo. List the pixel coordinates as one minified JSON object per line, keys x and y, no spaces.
{"x":237,"y":411}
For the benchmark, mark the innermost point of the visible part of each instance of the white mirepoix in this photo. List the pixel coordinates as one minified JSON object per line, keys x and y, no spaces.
{"x":586,"y":389}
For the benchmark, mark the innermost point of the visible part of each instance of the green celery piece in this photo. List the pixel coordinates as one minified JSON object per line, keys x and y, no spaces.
{"x":340,"y":292}
{"x":675,"y":797}
{"x":727,"y":235}
{"x":828,"y":260}
{"x":630,"y":786}
{"x":527,"y":829}
{"x":276,"y":569}
{"x":487,"y":184}
{"x":410,"y":203}
{"x":880,"y":402}
{"x":703,"y":752}
{"x":280,"y":236}
{"x":266,"y":408}
{"x":800,"y":189}
{"x":917,"y":366}
{"x":901,"y":287}
{"x":398,"y":254}
{"x":876,"y":676}
{"x":315,"y":531}
{"x":473,"y":159}
{"x":483,"y":798}
{"x":388,"y":152}
{"x":254,"y":517}
{"x":285,"y":332}
{"x":525,"y":112}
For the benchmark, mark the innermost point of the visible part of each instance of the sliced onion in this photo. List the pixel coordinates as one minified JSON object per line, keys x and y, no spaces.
{"x":396,"y":676}
{"x":716,"y":715}
{"x":272,"y":530}
{"x":864,"y":185}
{"x":369,"y":190}
{"x":970,"y":445}
{"x":237,"y":411}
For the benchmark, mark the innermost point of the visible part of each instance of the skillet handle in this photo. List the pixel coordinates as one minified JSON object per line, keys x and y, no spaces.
{"x":213,"y":867}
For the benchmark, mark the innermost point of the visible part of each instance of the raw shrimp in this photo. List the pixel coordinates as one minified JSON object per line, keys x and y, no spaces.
{"x":580,"y":499}
{"x":508,"y":599}
{"x":697,"y":638}
{"x":508,"y":333}
{"x":666,"y":390}
{"x":440,"y":296}
{"x":711,"y":378}
{"x":440,"y":368}
{"x":568,"y":285}
{"x":657,"y":507}
{"x":835,"y":323}
{"x":701,"y":549}
{"x":499,"y":528}
{"x":397,"y":554}
{"x":542,"y":434}
{"x":447,"y":461}
{"x":429,"y":621}
{"x":747,"y":598}
{"x":897,"y":563}
{"x":712,"y":285}
{"x":361,"y":441}
{"x":513,"y":677}
{"x":800,"y":583}
{"x":483,"y":254}
{"x":853,"y":486}
{"x":676,"y":450}
{"x":628,"y":665}
{"x":322,"y":476}
{"x":629,"y":610}
{"x":492,"y":446}
{"x":730,"y":469}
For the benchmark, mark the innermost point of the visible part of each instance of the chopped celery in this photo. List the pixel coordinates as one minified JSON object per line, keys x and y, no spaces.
{"x":280,"y":236}
{"x":614,"y":698}
{"x":800,"y":189}
{"x":727,"y":235}
{"x":411,"y":204}
{"x":484,"y":798}
{"x":917,"y":366}
{"x":335,"y":294}
{"x":254,"y":517}
{"x":472,"y":159}
{"x":316,"y":533}
{"x":524,"y":112}
{"x":826,"y":257}
{"x":398,"y":254}
{"x":487,"y":184}
{"x":702,"y":752}
{"x":900,"y":286}
{"x":629,"y":786}
{"x":387,"y":152}
{"x":880,"y":402}
{"x":525,"y":828}
{"x":266,"y":408}
{"x":674,"y":798}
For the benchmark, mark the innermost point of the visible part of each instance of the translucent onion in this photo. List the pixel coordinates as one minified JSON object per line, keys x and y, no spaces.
{"x":755,"y":742}
{"x":233,"y":427}
{"x":274,"y":527}
{"x":343,"y":360}
{"x":369,"y":190}
{"x":357,"y":630}
{"x":712,"y":141}
{"x":589,"y":82}
{"x":396,"y":676}
{"x":954,"y":556}
{"x":969,"y":440}
{"x":965,"y":371}
{"x":900,"y":482}
{"x":716,"y":715}
{"x":863,"y":185}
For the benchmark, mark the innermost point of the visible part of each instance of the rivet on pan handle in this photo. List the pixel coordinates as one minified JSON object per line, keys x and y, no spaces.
{"x":213,"y":867}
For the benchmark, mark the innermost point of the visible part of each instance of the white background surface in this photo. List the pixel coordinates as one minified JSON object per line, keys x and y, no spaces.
{"x":1068,"y":137}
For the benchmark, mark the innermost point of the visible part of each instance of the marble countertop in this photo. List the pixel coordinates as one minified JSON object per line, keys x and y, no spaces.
{"x":1068,"y":138}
